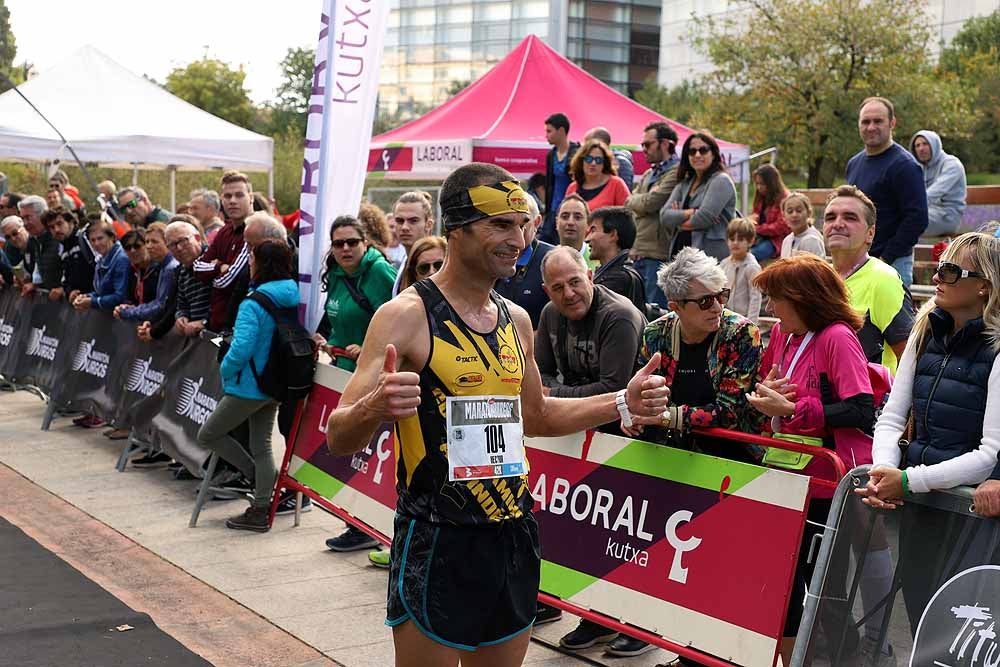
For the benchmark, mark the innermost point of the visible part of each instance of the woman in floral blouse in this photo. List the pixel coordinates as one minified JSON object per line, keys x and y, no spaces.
{"x":710,"y":355}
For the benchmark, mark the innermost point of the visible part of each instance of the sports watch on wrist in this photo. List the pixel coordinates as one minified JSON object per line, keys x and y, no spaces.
{"x":623,"y":410}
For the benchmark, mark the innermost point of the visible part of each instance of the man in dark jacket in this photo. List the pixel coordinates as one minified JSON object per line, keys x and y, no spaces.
{"x":525,"y":287}
{"x":75,"y":252}
{"x":557,"y":174}
{"x":611,"y":234}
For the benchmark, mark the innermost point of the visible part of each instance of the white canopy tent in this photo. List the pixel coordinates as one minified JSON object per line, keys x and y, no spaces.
{"x":116,"y":118}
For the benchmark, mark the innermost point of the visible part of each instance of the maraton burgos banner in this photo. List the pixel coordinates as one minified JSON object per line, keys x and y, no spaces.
{"x":698,"y":549}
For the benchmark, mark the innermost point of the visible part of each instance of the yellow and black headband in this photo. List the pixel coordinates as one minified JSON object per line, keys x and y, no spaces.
{"x":484,"y":201}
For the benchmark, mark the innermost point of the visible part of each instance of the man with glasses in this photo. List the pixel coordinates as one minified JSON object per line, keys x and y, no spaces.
{"x":873,"y":286}
{"x":652,"y":240}
{"x":191,"y":296}
{"x":138,"y":210}
{"x":15,"y":248}
{"x":43,"y":250}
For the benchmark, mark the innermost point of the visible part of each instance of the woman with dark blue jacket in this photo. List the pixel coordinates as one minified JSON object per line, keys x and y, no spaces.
{"x":243,"y":400}
{"x":948,"y":384}
{"x":110,"y":273}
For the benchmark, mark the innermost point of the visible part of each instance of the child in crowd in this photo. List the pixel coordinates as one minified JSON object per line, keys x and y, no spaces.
{"x":804,"y":237}
{"x":741,"y":267}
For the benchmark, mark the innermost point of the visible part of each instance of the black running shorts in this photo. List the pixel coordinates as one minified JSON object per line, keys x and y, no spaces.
{"x":464,"y":586}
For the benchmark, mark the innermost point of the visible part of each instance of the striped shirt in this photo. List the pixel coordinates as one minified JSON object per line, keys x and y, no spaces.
{"x":192,"y":296}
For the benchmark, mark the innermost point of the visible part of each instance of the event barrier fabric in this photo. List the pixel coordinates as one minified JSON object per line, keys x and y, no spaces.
{"x":696,"y":549}
{"x":921,"y":582}
{"x":88,"y":361}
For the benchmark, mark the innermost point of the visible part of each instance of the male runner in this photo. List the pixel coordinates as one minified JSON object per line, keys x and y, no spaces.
{"x":465,"y":556}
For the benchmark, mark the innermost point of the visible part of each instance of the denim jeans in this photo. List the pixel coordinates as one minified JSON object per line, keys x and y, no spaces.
{"x":904,"y":267}
{"x":647,"y":268}
{"x":763,"y":249}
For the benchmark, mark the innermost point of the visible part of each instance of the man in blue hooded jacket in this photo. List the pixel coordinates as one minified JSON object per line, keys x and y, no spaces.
{"x":944,"y":178}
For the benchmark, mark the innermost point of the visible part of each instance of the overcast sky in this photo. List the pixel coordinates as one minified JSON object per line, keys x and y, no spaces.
{"x":154,"y":36}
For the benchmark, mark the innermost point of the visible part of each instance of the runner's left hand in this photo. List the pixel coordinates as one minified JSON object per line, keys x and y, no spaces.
{"x":647,"y":395}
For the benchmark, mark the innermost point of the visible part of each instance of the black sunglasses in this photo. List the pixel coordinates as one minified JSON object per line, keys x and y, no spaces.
{"x":949,"y":273}
{"x":705,"y":302}
{"x":340,"y":243}
{"x":134,"y":246}
{"x":423,"y":268}
{"x":593,"y":159}
{"x":700,"y":150}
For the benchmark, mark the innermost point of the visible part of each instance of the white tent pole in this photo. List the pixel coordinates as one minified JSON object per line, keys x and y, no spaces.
{"x":135,"y":173}
{"x":270,"y":183}
{"x":173,"y":187}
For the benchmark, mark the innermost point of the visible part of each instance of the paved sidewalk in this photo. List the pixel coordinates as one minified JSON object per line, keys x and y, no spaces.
{"x":334,"y":603}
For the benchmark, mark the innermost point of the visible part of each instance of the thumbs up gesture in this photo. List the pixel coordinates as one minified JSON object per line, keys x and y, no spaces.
{"x":397,"y":394}
{"x":647,"y":395}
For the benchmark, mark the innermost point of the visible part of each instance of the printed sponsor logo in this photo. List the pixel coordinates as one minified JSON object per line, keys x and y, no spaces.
{"x":90,"y":361}
{"x":508,"y":359}
{"x":470,"y":380}
{"x":6,"y":332}
{"x":958,"y":628}
{"x":193,"y":404}
{"x":40,"y":345}
{"x":143,"y":378}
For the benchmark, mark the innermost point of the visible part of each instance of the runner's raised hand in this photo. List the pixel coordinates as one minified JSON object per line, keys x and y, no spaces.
{"x":647,"y":395}
{"x":397,"y":394}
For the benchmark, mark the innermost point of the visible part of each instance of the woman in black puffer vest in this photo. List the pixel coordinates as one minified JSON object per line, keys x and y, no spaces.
{"x":948,"y":383}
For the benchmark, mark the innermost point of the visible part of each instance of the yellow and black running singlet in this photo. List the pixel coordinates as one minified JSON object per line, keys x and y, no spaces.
{"x":462,"y":362}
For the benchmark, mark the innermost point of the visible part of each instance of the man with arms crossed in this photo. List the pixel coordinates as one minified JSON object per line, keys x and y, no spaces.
{"x":465,"y":393}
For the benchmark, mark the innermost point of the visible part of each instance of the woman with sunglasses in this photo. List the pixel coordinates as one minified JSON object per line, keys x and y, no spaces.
{"x":816,"y":390}
{"x":948,"y":392}
{"x":595,"y":177}
{"x":709,"y":354}
{"x":704,"y":200}
{"x":144,"y":272}
{"x":357,"y":279}
{"x":426,"y":258}
{"x":150,"y":305}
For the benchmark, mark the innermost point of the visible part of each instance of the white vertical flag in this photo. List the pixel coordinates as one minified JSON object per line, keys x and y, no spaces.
{"x":338,"y":132}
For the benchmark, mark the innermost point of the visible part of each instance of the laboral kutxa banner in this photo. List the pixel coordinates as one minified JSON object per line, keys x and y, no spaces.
{"x":697,"y":549}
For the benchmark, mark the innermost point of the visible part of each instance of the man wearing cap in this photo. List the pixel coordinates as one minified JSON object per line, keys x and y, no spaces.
{"x":462,"y":396}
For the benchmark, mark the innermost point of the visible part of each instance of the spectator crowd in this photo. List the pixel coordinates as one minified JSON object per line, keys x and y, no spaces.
{"x":614,"y":271}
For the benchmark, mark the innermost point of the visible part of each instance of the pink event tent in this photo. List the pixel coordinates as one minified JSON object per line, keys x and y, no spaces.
{"x":501,"y":119}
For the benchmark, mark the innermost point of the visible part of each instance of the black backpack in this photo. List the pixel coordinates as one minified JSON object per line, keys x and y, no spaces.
{"x":291,"y":362}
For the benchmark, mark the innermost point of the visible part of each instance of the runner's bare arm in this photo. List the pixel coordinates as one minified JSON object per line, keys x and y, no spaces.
{"x":647,"y":395}
{"x":379,"y":391}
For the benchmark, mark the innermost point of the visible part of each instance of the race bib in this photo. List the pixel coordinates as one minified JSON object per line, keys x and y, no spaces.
{"x":485,"y":437}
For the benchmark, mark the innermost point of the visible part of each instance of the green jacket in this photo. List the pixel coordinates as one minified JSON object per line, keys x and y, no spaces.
{"x":344,"y":321}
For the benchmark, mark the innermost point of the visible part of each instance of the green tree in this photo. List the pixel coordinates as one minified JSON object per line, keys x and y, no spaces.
{"x":679,"y":103}
{"x":974,"y":56}
{"x":791,"y":73}
{"x":214,"y":86}
{"x":8,"y":45}
{"x":289,"y":111}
